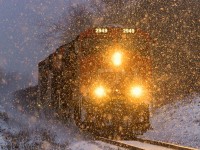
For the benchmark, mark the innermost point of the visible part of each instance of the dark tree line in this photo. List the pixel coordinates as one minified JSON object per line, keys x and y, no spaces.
{"x":173,"y":25}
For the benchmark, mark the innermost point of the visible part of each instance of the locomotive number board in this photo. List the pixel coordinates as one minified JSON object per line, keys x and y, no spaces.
{"x":106,"y":30}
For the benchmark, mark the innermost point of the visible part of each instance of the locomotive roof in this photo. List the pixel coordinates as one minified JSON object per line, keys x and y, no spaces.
{"x":88,"y":31}
{"x":50,"y":56}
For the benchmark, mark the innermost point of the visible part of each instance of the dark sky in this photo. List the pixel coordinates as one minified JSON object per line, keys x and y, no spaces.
{"x":20,"y":47}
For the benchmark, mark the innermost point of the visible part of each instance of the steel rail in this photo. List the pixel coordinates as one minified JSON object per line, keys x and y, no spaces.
{"x":164,"y":144}
{"x":132,"y":147}
{"x":117,"y":143}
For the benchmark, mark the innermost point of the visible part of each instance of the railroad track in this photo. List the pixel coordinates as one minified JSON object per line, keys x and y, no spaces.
{"x":144,"y":144}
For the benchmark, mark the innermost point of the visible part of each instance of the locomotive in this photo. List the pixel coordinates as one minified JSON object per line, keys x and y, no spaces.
{"x":101,"y":80}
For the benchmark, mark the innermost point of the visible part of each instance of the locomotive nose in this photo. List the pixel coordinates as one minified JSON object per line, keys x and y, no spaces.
{"x":117,"y":107}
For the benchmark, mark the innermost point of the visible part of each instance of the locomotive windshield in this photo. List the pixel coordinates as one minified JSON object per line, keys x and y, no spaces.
{"x":97,"y":44}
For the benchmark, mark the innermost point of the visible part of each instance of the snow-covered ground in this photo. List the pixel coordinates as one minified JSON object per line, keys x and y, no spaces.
{"x":25,"y":131}
{"x":177,"y":123}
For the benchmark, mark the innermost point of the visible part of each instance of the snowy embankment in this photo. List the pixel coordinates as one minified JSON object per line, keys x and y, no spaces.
{"x":19,"y":130}
{"x":177,"y":123}
{"x":24,"y":131}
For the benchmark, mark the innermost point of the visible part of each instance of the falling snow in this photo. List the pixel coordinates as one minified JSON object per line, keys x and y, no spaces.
{"x":30,"y":30}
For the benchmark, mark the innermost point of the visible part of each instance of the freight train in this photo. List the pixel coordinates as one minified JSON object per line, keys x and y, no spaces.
{"x":101,"y":80}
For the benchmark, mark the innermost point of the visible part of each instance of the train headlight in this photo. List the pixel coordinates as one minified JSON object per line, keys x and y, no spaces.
{"x":117,"y":58}
{"x":137,"y":91}
{"x":99,"y":91}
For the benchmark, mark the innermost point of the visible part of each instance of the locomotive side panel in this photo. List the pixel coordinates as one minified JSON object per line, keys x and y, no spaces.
{"x":57,"y":77}
{"x":65,"y":77}
{"x":43,"y":78}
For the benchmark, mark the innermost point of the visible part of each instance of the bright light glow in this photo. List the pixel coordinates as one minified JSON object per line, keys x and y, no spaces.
{"x":137,"y":91}
{"x":117,"y":58}
{"x":100,"y":91}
